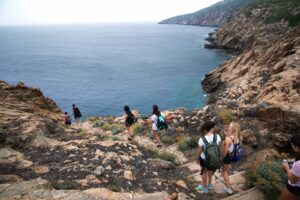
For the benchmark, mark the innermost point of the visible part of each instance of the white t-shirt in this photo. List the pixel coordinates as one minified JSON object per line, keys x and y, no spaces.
{"x":296,"y":171}
{"x":154,"y":121}
{"x":209,"y":139}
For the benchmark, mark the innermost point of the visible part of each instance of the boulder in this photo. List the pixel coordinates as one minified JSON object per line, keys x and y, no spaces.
{"x":160,"y":164}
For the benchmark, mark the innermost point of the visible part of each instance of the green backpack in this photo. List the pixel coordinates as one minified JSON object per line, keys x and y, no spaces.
{"x":212,"y":154}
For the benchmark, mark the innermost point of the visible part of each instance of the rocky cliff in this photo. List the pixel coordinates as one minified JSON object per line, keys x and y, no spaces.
{"x":214,"y":15}
{"x":264,"y":76}
{"x":25,"y":114}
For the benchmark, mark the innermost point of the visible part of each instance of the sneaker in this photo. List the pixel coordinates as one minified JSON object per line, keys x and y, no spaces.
{"x":210,"y":186}
{"x":228,"y":190}
{"x":202,"y":188}
{"x":159,"y":145}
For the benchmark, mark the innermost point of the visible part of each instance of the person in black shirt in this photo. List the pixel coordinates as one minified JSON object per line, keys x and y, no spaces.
{"x":129,"y":120}
{"x":76,"y":113}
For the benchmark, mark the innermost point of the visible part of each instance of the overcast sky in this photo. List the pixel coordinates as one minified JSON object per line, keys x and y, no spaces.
{"x":20,"y":12}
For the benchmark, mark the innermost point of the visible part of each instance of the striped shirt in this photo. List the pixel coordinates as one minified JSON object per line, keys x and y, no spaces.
{"x":296,"y":171}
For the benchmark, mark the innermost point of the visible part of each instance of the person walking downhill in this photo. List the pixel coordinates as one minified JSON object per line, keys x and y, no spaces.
{"x":232,"y":138}
{"x":129,"y":120}
{"x":208,"y":155}
{"x":292,"y":189}
{"x":68,"y":119}
{"x":154,"y":118}
{"x":76,"y":113}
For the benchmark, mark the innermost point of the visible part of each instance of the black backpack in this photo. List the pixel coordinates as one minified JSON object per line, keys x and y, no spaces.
{"x":130,"y":118}
{"x":212,"y":154}
{"x":161,"y":123}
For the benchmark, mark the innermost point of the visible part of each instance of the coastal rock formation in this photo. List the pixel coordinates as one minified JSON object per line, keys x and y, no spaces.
{"x":25,"y":113}
{"x":246,"y":33}
{"x":263,"y":78}
{"x":214,"y":15}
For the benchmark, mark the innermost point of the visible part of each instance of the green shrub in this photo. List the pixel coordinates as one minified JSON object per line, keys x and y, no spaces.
{"x":269,"y":177}
{"x":137,"y":128}
{"x":82,"y":133}
{"x":92,"y":118}
{"x":98,"y":124}
{"x":114,"y":188}
{"x":194,"y":142}
{"x":167,"y":156}
{"x":106,"y":126}
{"x":110,"y":127}
{"x":226,"y":115}
{"x":167,"y":139}
{"x":187,"y":143}
{"x":183,"y":144}
{"x":163,"y":155}
{"x":78,"y":130}
{"x":117,"y":131}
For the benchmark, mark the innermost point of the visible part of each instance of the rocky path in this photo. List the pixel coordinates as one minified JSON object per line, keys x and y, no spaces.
{"x":193,"y":170}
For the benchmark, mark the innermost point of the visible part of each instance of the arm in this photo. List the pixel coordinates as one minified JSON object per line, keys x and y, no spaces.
{"x":290,"y":175}
{"x":226,"y":145}
{"x":199,"y":151}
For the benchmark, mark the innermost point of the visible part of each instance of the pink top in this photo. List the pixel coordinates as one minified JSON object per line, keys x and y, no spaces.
{"x":296,"y":171}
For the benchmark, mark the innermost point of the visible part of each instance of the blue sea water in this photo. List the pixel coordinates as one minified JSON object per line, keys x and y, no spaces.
{"x":102,"y":67}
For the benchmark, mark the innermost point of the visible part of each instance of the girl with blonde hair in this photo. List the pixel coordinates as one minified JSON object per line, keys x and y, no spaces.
{"x":233,"y":137}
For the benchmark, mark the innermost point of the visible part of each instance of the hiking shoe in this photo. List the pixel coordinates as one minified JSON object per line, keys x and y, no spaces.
{"x":159,"y":146}
{"x":129,"y":138}
{"x":210,"y":186}
{"x":228,"y":190}
{"x":202,"y":188}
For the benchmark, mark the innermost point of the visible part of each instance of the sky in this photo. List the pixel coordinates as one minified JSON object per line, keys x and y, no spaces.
{"x":28,"y":12}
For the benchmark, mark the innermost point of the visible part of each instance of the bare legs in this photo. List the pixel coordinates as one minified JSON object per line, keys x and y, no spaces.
{"x":156,"y":137}
{"x":130,"y":135}
{"x":77,"y":120}
{"x":225,"y":174}
{"x":206,"y":176}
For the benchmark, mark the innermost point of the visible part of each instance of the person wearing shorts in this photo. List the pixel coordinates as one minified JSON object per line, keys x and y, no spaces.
{"x":292,"y":189}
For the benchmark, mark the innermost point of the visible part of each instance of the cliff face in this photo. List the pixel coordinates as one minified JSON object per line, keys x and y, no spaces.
{"x":245,"y":33}
{"x":264,"y":77}
{"x":214,"y":15}
{"x":26,"y":113}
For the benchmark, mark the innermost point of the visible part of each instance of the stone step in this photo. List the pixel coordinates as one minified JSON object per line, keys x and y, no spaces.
{"x":238,"y":180}
{"x":198,"y":178}
{"x":173,"y":149}
{"x":251,"y":194}
{"x":192,"y":166}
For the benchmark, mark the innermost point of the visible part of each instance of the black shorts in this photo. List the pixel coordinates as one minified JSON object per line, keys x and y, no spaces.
{"x":295,"y":190}
{"x":202,"y":164}
{"x":127,"y":124}
{"x":226,"y":159}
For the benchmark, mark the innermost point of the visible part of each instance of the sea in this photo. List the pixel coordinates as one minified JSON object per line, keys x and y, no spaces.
{"x":102,"y":67}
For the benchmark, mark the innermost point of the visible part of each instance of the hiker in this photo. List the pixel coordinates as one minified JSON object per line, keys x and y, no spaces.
{"x":68,"y":119}
{"x":129,"y":120}
{"x":232,"y":139}
{"x":155,"y":114}
{"x":292,"y":189}
{"x":208,"y":155}
{"x":76,"y":113}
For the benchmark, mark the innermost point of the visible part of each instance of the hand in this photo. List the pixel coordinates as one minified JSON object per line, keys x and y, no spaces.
{"x":285,"y":165}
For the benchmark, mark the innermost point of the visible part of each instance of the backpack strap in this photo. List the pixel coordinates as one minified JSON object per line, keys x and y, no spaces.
{"x":204,"y":140}
{"x":215,"y":139}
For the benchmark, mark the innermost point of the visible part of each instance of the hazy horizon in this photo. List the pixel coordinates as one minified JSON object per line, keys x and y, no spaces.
{"x":40,"y":12}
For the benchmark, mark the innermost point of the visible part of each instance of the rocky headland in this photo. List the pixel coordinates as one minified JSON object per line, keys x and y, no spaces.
{"x":263,"y":78}
{"x":215,"y":15}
